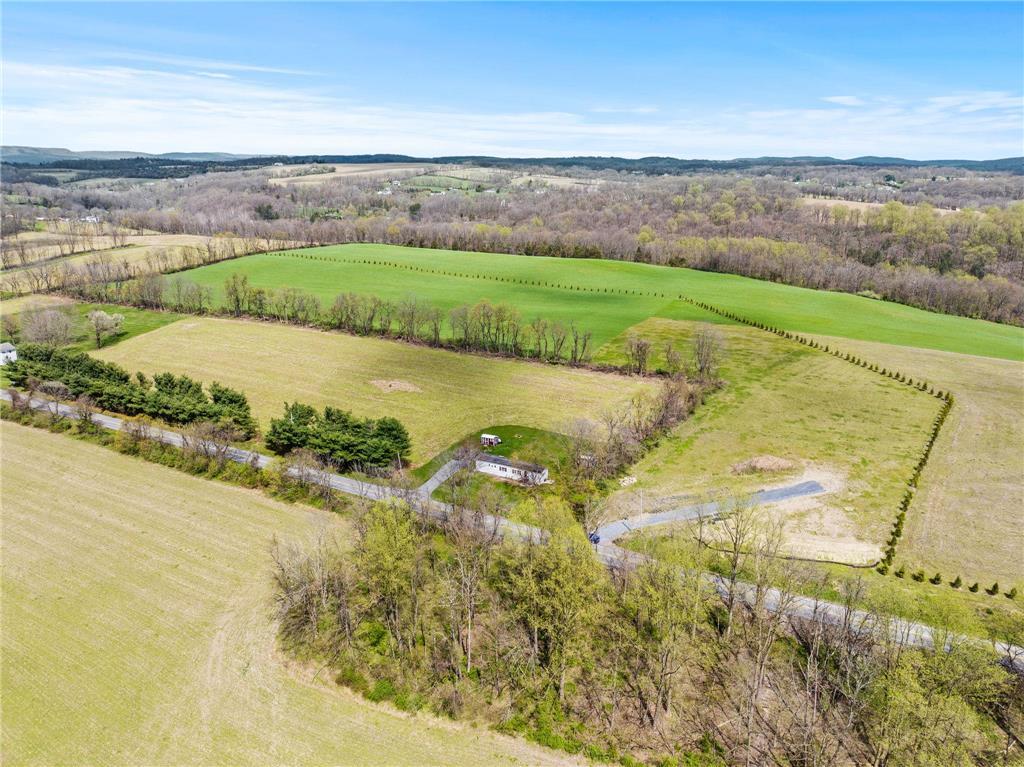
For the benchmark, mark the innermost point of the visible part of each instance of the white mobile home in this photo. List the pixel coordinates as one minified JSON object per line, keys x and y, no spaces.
{"x":506,"y":468}
{"x":8,"y":353}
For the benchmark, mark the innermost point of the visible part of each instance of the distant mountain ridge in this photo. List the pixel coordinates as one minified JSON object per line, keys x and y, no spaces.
{"x":43,"y":155}
{"x":60,"y":157}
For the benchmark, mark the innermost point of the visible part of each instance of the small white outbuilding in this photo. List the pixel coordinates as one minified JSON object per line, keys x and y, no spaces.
{"x":8,"y":353}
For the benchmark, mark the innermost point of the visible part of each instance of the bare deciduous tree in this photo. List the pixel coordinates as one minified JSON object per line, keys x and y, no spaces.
{"x":47,"y":326}
{"x":707,"y":352}
{"x":638,"y":353}
{"x":55,"y":393}
{"x":86,"y":408}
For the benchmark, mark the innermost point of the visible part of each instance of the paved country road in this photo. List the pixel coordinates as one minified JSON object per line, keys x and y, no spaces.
{"x":908,"y":632}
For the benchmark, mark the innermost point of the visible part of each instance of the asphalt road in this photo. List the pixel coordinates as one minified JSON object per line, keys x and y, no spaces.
{"x":908,"y":632}
{"x":614,"y":530}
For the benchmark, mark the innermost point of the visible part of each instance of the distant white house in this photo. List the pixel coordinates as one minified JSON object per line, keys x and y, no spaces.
{"x":506,"y":468}
{"x":8,"y":353}
{"x":488,"y":440}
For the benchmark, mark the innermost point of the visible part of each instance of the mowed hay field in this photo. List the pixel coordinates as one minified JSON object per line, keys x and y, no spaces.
{"x":440,"y":396}
{"x":604,"y":296}
{"x":137,"y":628}
{"x":857,"y":433}
{"x":968,"y":516}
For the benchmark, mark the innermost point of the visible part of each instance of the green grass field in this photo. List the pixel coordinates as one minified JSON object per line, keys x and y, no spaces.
{"x":857,"y":433}
{"x":966,"y":518}
{"x":440,"y":396}
{"x":137,"y":627}
{"x":136,"y":321}
{"x":643,"y":291}
{"x":602,"y":314}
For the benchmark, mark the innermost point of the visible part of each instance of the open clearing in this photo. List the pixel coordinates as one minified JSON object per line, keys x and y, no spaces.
{"x":967,"y":517}
{"x":863,"y":207}
{"x":139,"y":249}
{"x":584,"y":290}
{"x":859,"y":433}
{"x":12,"y":306}
{"x":560,"y":182}
{"x":353,"y":169}
{"x":137,"y":627}
{"x":458,"y":393}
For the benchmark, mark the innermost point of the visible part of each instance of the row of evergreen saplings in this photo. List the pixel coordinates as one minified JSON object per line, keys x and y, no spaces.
{"x":920,"y":576}
{"x":166,"y":397}
{"x":947,"y":404}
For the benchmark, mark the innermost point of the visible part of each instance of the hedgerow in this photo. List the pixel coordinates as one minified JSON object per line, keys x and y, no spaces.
{"x":169,"y":398}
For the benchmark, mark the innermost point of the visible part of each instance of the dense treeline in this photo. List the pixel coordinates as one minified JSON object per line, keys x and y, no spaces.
{"x":482,"y":327}
{"x":649,"y":662}
{"x":968,"y":262}
{"x":340,"y":439}
{"x":169,"y":398}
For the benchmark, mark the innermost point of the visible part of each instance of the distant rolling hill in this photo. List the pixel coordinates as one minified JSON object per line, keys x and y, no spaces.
{"x":45,"y":155}
{"x":67,"y":158}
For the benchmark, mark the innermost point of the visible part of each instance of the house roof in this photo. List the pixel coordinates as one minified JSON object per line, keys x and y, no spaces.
{"x":501,"y":460}
{"x":6,"y":347}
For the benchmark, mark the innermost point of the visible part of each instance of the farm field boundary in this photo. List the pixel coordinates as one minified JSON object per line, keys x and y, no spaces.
{"x":945,"y":397}
{"x":797,"y":309}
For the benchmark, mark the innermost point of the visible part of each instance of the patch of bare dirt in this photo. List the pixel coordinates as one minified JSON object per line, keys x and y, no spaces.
{"x":391,"y":386}
{"x":763,"y":464}
{"x":815,"y":527}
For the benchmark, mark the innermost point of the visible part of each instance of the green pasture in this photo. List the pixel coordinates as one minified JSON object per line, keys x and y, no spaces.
{"x":326,"y":272}
{"x":605,"y":296}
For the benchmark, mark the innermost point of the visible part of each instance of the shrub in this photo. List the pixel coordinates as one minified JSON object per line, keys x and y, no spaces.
{"x":957,"y":583}
{"x":918,"y":576}
{"x":993,"y":589}
{"x":382,"y":690}
{"x":339,"y":437}
{"x":409,"y":701}
{"x":173,"y":399}
{"x":1012,"y":593}
{"x":901,"y":572}
{"x":973,"y":588}
{"x":936,"y":579}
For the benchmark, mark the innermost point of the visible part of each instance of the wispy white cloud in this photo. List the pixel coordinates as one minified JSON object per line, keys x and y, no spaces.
{"x":637,"y":110}
{"x":153,"y":109}
{"x":846,"y":101}
{"x":200,"y":63}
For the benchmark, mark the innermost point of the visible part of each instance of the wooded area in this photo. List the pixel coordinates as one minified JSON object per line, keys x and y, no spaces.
{"x":648,"y":661}
{"x":969,"y":261}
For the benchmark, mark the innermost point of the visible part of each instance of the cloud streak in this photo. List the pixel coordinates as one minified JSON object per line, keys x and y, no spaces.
{"x":846,"y":101}
{"x":227,"y":107}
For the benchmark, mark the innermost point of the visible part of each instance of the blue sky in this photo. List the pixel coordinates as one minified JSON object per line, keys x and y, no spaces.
{"x":920,"y":80}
